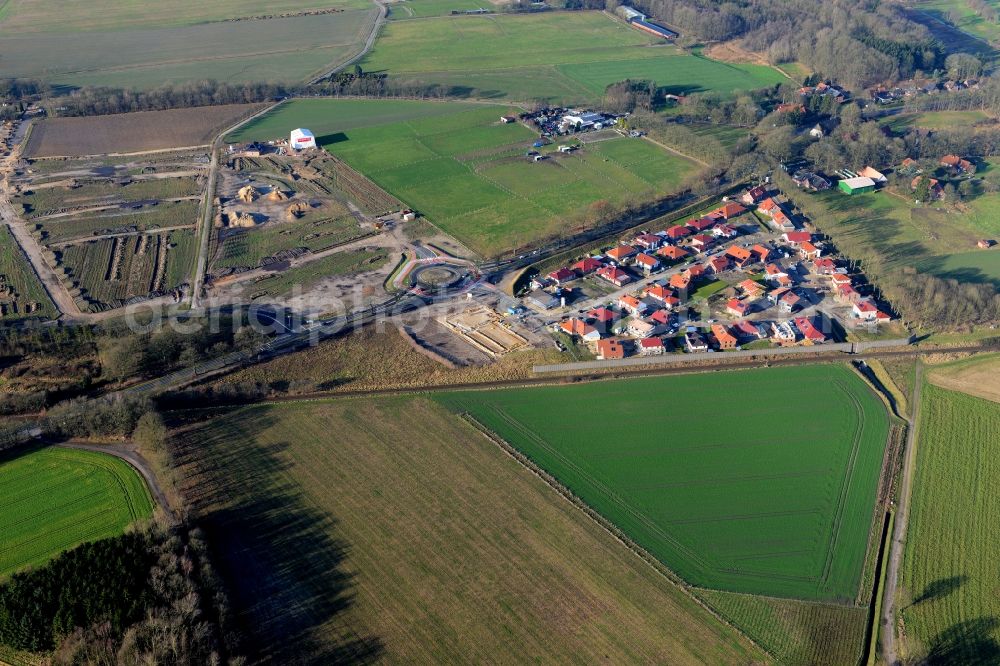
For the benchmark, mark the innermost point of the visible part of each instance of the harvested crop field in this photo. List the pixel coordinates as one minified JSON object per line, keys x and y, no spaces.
{"x":132,"y":132}
{"x":362,"y":529}
{"x":53,"y":499}
{"x":948,"y":580}
{"x":759,"y":481}
{"x":287,"y":49}
{"x":977,"y":375}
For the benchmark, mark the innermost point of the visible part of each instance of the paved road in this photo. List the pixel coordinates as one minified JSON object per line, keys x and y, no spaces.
{"x":896,"y":546}
{"x":136,"y":461}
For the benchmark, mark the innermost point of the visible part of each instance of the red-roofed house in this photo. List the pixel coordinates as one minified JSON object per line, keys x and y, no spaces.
{"x":701,"y":242}
{"x":748,"y":330}
{"x":696,"y":271}
{"x":581,"y":329}
{"x":741,"y":256}
{"x":738,"y":308}
{"x":762,"y":251}
{"x":847,"y":294}
{"x":717,"y":264}
{"x":789,"y":302}
{"x":865,"y":310}
{"x":723,"y":338}
{"x":659,"y":293}
{"x":796,"y":238}
{"x":602,"y":315}
{"x":651,"y":346}
{"x":680,"y":280}
{"x":769,"y":206}
{"x":809,"y":332}
{"x":724,"y":231}
{"x":701,"y":223}
{"x":621,"y":253}
{"x":610,"y":349}
{"x":809,"y":251}
{"x":730,"y":210}
{"x":782,"y":221}
{"x":677,"y":232}
{"x":840,"y":278}
{"x":648,"y":241}
{"x":662,"y":317}
{"x":632,"y":305}
{"x":751,"y":289}
{"x":754,"y":195}
{"x":672,"y":252}
{"x":773,"y":273}
{"x":647,"y":263}
{"x":586,"y":266}
{"x":562,"y":276}
{"x":824,"y":266}
{"x":615,"y":276}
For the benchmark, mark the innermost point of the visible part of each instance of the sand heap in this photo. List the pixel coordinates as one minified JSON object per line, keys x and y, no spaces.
{"x":276,"y":195}
{"x":237,"y":218}
{"x":248,"y":194}
{"x":296,"y":210}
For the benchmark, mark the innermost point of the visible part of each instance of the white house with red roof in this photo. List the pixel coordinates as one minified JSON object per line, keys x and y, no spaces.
{"x":738,"y":308}
{"x":647,"y":263}
{"x":808,"y":330}
{"x":651,"y":347}
{"x":672,"y":252}
{"x":648,"y":241}
{"x":809,"y":251}
{"x":632,"y":305}
{"x":796,"y":238}
{"x":754,"y":195}
{"x":718,"y":264}
{"x":580,"y":329}
{"x":677,"y":232}
{"x":586,"y":266}
{"x":562,"y":276}
{"x":615,"y":276}
{"x":724,"y":231}
{"x":621,"y":253}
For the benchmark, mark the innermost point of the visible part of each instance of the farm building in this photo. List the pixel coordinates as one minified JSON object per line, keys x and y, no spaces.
{"x":302,"y":139}
{"x":857,"y":185}
{"x":653,"y":29}
{"x":630,"y":14}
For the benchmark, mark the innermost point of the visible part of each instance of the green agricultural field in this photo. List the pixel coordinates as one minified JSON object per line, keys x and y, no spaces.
{"x":932,"y":120}
{"x":28,"y":299}
{"x":948,"y":585}
{"x":561,"y":56}
{"x":53,"y":499}
{"x":246,"y":248}
{"x":761,"y":482}
{"x":680,"y":74}
{"x":280,"y":49}
{"x":423,"y":8}
{"x":351,"y":529}
{"x":327,"y":117}
{"x":975,"y":266}
{"x":467,"y":172}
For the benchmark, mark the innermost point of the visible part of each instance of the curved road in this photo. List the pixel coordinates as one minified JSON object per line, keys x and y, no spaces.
{"x":138,"y":463}
{"x":896,"y":546}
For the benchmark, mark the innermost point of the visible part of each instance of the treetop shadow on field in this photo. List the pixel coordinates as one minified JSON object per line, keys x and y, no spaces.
{"x":939,"y":589}
{"x":276,"y":554}
{"x":969,"y":643}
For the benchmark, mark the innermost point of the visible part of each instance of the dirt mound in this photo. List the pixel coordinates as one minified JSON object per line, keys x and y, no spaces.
{"x":240,"y":219}
{"x":248,"y":194}
{"x":276,"y":195}
{"x":296,"y":210}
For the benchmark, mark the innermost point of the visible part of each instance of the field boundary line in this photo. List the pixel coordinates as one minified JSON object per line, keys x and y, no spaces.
{"x":605,"y":525}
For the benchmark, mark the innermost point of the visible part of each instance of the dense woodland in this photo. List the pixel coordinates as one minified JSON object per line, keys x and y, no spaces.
{"x":862,"y":41}
{"x":140,"y":598}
